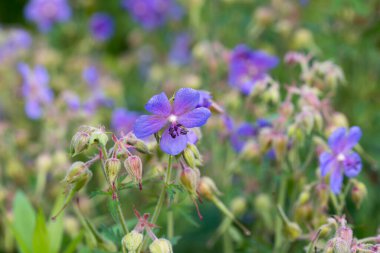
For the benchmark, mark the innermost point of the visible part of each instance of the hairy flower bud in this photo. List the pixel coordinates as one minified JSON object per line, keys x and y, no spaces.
{"x":207,"y":188}
{"x":98,"y":136}
{"x":358,"y":192}
{"x":79,"y":143}
{"x":138,"y":144}
{"x":132,"y":241}
{"x":112,"y":166}
{"x":133,"y":165}
{"x":337,"y":245}
{"x":292,"y":230}
{"x":195,"y":151}
{"x":75,"y":172}
{"x":161,"y":246}
{"x":190,"y":179}
{"x":189,"y":157}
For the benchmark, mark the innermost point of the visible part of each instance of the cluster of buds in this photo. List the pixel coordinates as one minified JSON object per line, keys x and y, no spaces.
{"x":192,"y":156}
{"x":85,"y":137}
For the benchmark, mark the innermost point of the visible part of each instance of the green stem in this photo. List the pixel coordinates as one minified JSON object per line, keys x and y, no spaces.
{"x":335,"y":203}
{"x":278,"y":221}
{"x":121,"y":216}
{"x":161,"y":199}
{"x":170,"y":224}
{"x":227,"y":243}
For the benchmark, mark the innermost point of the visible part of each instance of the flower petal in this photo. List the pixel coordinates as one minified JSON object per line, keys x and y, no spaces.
{"x":185,"y":100}
{"x":159,"y":104}
{"x":352,"y":138}
{"x":326,"y":163}
{"x":148,"y":124}
{"x":33,"y":109}
{"x":195,"y":118}
{"x":192,"y":137}
{"x":352,"y":165}
{"x":172,"y":146}
{"x":336,"y":180}
{"x":336,"y":140}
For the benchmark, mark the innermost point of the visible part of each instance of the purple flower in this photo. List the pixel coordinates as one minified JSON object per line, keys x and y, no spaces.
{"x":180,"y":51}
{"x":247,"y":67}
{"x":101,"y":26}
{"x":123,"y":120}
{"x":91,"y":76}
{"x":35,"y":89}
{"x":205,"y":99}
{"x":341,"y":159}
{"x":47,"y":12}
{"x":153,"y":13}
{"x":72,"y":100}
{"x":174,"y":118}
{"x":16,"y":41}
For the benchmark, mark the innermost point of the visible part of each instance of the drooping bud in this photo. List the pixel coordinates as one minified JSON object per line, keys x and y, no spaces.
{"x":132,"y":241}
{"x":280,"y":143}
{"x":292,"y":230}
{"x":75,"y":172}
{"x":190,"y":179}
{"x":161,"y":246}
{"x":207,"y":188}
{"x":138,"y":144}
{"x":238,"y":205}
{"x":133,"y":165}
{"x":79,"y":143}
{"x":112,"y":166}
{"x":98,"y":137}
{"x":304,"y":197}
{"x":358,"y":192}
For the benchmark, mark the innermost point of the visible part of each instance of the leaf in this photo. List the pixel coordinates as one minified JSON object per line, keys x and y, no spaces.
{"x":40,"y":236}
{"x":55,"y":228}
{"x":24,"y":222}
{"x":96,"y":193}
{"x":72,"y":247}
{"x":172,"y":189}
{"x":113,"y":209}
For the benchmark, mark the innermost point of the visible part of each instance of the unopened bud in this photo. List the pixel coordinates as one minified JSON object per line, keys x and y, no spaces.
{"x":292,"y":230}
{"x":358,"y":193}
{"x":303,"y":38}
{"x":189,"y":157}
{"x":75,"y":172}
{"x":190,"y":179}
{"x":195,"y":151}
{"x":132,"y":241}
{"x":264,"y":16}
{"x":303,"y":197}
{"x":133,"y":165}
{"x":113,"y":166}
{"x":161,"y":246}
{"x":79,"y":143}
{"x":207,"y":188}
{"x":238,"y":206}
{"x":98,"y":136}
{"x":280,"y":143}
{"x":337,"y":245}
{"x":138,"y":144}
{"x":345,"y":233}
{"x":263,"y":202}
{"x":265,"y":139}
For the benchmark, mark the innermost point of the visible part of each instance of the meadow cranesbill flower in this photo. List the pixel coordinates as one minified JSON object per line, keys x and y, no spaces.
{"x":153,"y":13}
{"x":180,"y":51}
{"x":175,"y":119}
{"x":47,"y":12}
{"x":101,"y":26}
{"x":15,"y":41}
{"x":341,"y":159}
{"x":123,"y":120}
{"x":35,"y":89}
{"x":247,"y":67}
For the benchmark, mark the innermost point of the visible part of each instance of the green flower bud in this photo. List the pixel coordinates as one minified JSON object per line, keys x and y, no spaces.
{"x":99,"y":137}
{"x":292,"y":230}
{"x":280,"y":143}
{"x":132,"y":241}
{"x":112,"y":166}
{"x":358,"y":193}
{"x":190,"y":179}
{"x":303,"y":197}
{"x":138,"y":144}
{"x":79,"y":143}
{"x":189,"y":157}
{"x":75,"y":172}
{"x":207,"y":188}
{"x":195,"y":151}
{"x":238,"y":205}
{"x":133,"y":165}
{"x":161,"y":246}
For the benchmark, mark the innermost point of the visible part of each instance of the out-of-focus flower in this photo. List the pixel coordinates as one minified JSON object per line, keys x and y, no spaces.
{"x":175,"y":118}
{"x":16,"y":40}
{"x":35,"y":89}
{"x":123,"y":120}
{"x":341,"y":159}
{"x":47,"y":12}
{"x":101,"y":26}
{"x":247,"y":67}
{"x":151,"y":14}
{"x":72,"y":100}
{"x":180,"y":51}
{"x":91,"y":75}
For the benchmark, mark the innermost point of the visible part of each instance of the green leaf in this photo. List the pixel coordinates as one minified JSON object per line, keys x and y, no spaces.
{"x":172,"y":189}
{"x":41,"y":242}
{"x":24,"y":222}
{"x":55,"y":228}
{"x":100,"y":192}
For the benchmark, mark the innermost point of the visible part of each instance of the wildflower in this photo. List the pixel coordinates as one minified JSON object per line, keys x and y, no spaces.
{"x":91,"y":76}
{"x":47,"y":12}
{"x":15,"y":42}
{"x":72,"y":100}
{"x":151,"y":14}
{"x":35,"y":89}
{"x":247,"y":67}
{"x":174,"y":118}
{"x":101,"y":26}
{"x":123,"y":120}
{"x":180,"y":51}
{"x":341,"y":159}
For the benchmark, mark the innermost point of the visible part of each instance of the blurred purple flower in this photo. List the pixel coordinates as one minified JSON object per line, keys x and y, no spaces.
{"x":96,"y":100}
{"x":91,"y":76}
{"x":101,"y":26}
{"x":47,"y":12}
{"x":72,"y":100}
{"x":123,"y":120}
{"x":247,"y":67}
{"x":35,"y":89}
{"x":153,"y":13}
{"x":175,"y":118}
{"x":16,"y":40}
{"x":341,"y":159}
{"x":180,"y":51}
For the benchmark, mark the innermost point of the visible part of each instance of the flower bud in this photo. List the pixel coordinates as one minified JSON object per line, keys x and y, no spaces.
{"x":98,"y":136}
{"x":75,"y":172}
{"x":238,"y":205}
{"x":161,"y":246}
{"x":190,"y":179}
{"x":112,"y":166}
{"x":265,"y":139}
{"x":79,"y":143}
{"x":358,"y":193}
{"x":207,"y":188}
{"x":132,"y":241}
{"x":280,"y":143}
{"x":138,"y":144}
{"x":345,"y":233}
{"x":303,"y":197}
{"x":292,"y":230}
{"x":337,"y":245}
{"x":195,"y":151}
{"x":189,"y":157}
{"x":264,"y":16}
{"x":303,"y":38}
{"x":133,"y":165}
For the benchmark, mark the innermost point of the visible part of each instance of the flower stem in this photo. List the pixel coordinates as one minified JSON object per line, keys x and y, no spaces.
{"x":170,"y":224}
{"x":121,"y":216}
{"x":161,"y":199}
{"x":278,"y":220}
{"x":335,"y":203}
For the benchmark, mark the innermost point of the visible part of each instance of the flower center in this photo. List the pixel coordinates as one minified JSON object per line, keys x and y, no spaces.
{"x":172,"y":118}
{"x":341,"y":157}
{"x":176,"y":130}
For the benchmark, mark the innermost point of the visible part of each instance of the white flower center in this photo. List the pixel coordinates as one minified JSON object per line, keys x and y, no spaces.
{"x":172,"y":118}
{"x":341,"y":157}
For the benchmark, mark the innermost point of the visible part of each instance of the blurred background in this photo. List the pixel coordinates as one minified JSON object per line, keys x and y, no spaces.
{"x":102,"y":60}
